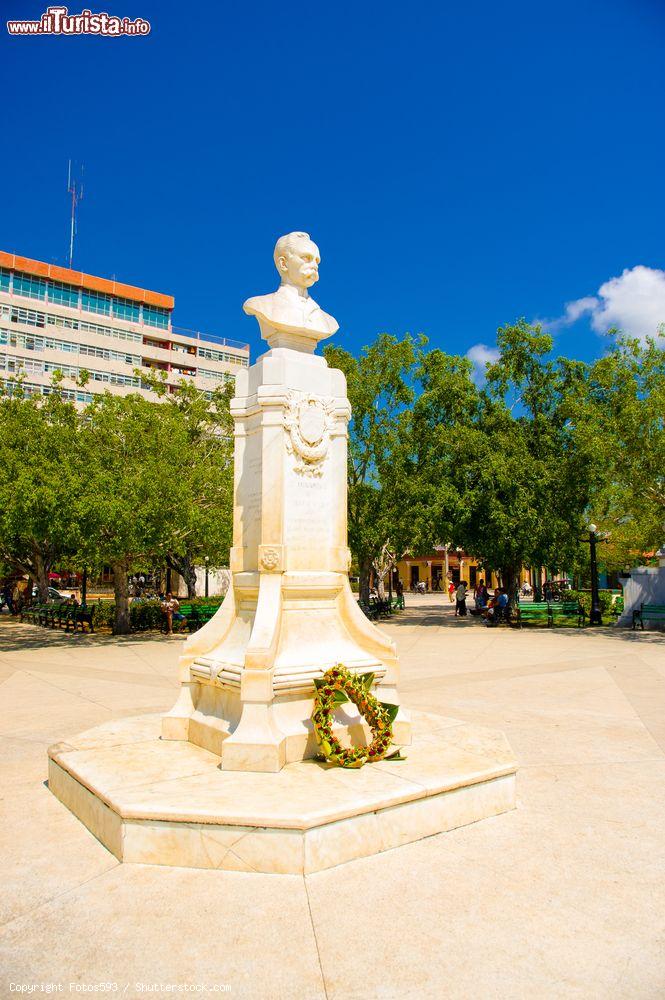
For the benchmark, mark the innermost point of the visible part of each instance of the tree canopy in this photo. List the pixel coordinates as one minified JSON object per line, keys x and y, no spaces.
{"x":122,"y":482}
{"x":511,"y":467}
{"x":42,"y":475}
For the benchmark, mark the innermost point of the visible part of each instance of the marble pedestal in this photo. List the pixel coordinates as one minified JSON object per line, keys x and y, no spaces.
{"x":247,"y":677}
{"x":154,"y":801}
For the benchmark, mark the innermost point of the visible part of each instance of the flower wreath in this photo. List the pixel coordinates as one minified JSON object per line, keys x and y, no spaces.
{"x":337,"y":686}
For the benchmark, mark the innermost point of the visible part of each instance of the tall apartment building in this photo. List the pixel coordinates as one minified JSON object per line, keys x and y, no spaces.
{"x":53,"y":318}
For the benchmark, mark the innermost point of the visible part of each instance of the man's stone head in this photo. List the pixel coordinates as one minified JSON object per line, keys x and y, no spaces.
{"x":297,"y":259}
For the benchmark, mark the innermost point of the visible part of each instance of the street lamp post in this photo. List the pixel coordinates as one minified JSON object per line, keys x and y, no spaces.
{"x":595,"y":618}
{"x":207,"y":560}
{"x":595,"y":536}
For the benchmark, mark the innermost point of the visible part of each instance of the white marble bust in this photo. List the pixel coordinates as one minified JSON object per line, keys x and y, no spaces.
{"x":289,"y":317}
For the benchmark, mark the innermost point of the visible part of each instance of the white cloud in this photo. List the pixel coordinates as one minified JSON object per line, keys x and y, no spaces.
{"x":634,"y":302}
{"x":579,"y":307}
{"x":481,"y":355}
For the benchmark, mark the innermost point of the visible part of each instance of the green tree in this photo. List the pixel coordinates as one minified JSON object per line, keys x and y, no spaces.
{"x":616,"y":409}
{"x":381,"y":392}
{"x":204,"y":524}
{"x":135,"y":491}
{"x":42,"y":476}
{"x":526,"y":394}
{"x":504,"y":481}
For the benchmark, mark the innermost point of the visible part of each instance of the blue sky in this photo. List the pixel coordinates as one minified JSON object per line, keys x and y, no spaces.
{"x":459,"y":165}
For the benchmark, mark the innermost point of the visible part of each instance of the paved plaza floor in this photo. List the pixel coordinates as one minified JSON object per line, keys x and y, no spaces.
{"x":564,"y":897}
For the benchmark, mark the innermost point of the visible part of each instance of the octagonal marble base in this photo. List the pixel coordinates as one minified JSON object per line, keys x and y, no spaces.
{"x":168,"y":803}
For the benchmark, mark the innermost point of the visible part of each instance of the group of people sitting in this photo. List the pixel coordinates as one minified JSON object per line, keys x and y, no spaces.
{"x":491,"y":608}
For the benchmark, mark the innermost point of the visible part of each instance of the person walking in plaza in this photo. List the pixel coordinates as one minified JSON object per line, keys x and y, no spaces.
{"x":460,"y":600}
{"x":451,"y":590}
{"x":497,"y":610}
{"x":7,"y":598}
{"x":481,"y":595}
{"x":170,"y":606}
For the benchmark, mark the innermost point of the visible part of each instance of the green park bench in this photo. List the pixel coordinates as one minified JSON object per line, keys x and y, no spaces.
{"x":55,"y":612}
{"x":81,"y":617}
{"x":188,"y":613}
{"x":25,"y":614}
{"x":566,"y":611}
{"x":194,"y":616}
{"x":383,"y":608}
{"x":37,"y":613}
{"x":44,"y":613}
{"x":202,"y":613}
{"x":61,"y":614}
{"x":650,"y":612}
{"x":65,"y":615}
{"x":550,"y":613}
{"x":535,"y":613}
{"x":370,"y":610}
{"x":31,"y":613}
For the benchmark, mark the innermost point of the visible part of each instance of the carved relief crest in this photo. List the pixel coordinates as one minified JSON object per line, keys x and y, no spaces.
{"x":308,"y":420}
{"x":269,"y":559}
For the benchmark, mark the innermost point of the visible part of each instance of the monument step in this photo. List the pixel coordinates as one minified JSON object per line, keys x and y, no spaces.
{"x":153,"y":801}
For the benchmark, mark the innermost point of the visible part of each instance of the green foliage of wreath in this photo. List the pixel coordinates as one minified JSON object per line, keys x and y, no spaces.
{"x":337,"y":686}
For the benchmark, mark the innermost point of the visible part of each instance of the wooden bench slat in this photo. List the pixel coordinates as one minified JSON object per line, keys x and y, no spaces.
{"x":652,"y":612}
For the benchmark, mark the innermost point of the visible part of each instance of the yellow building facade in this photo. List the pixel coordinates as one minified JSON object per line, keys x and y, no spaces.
{"x":445,"y":563}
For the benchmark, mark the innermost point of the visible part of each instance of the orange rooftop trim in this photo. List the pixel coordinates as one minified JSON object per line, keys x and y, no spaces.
{"x":89,"y":281}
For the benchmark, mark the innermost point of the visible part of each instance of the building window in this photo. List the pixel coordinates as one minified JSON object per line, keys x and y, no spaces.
{"x":218,"y":376}
{"x":30,"y":317}
{"x":96,"y":303}
{"x":63,"y":295}
{"x":25,"y":389}
{"x":103,"y":331}
{"x":4,"y":280}
{"x":30,"y":287}
{"x":126,"y":309}
{"x":64,"y":321}
{"x":154,"y":316}
{"x":69,"y":371}
{"x":25,"y":340}
{"x":234,"y":359}
{"x":71,"y":395}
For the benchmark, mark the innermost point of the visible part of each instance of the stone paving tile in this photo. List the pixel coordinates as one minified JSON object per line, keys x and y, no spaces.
{"x":564,"y":897}
{"x":138,"y":924}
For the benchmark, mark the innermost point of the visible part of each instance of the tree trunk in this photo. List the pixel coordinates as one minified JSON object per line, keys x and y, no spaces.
{"x":39,"y":575}
{"x":365,"y":569}
{"x":184,"y":565}
{"x":509,"y":578}
{"x":122,"y":624}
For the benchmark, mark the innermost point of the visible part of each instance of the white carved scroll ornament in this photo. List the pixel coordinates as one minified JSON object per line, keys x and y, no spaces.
{"x":308,"y":420}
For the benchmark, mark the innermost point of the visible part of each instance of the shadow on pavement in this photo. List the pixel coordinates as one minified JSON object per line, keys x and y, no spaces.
{"x":15,"y":636}
{"x":443,"y":616}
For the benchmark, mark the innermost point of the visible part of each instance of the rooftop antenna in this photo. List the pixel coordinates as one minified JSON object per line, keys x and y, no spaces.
{"x":75,"y":189}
